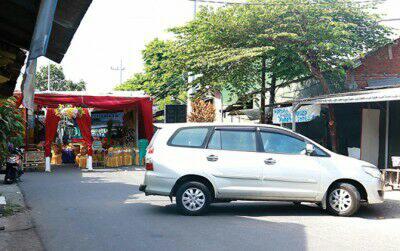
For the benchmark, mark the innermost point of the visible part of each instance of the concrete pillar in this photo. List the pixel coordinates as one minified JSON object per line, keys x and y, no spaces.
{"x":89,"y":163}
{"x":47,"y":165}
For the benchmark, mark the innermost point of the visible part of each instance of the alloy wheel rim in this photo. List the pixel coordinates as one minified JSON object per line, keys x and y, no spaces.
{"x":340,"y":200}
{"x":193,"y":199}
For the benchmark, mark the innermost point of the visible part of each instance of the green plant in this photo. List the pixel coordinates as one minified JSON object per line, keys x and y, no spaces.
{"x":11,"y":126}
{"x":11,"y":209}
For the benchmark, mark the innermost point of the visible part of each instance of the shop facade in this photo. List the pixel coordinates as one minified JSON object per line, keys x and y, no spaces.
{"x":106,"y":127}
{"x":367,"y":122}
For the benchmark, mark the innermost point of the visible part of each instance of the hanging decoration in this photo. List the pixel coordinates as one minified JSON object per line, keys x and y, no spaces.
{"x":69,"y":111}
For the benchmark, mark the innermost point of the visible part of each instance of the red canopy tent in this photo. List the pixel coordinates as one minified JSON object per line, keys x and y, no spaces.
{"x":111,"y":101}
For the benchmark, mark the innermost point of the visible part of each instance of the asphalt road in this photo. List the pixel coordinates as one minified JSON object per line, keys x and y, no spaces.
{"x":103,"y":210}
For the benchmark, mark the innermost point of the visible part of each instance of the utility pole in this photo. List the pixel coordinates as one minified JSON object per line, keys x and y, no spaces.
{"x":119,"y":68}
{"x":191,"y":78}
{"x":48,"y":76}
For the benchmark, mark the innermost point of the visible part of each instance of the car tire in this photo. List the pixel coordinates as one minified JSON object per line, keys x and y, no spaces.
{"x":193,"y":198}
{"x":343,"y":200}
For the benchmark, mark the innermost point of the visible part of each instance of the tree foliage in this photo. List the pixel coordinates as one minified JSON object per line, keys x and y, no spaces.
{"x":159,"y":78}
{"x":202,"y":111}
{"x":297,"y":37}
{"x":57,"y":80}
{"x":11,"y":127}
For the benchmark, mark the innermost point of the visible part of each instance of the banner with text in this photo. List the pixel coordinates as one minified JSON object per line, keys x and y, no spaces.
{"x":304,"y":114}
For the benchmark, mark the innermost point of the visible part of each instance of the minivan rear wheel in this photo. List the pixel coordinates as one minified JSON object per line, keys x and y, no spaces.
{"x":193,"y":198}
{"x":343,"y":200}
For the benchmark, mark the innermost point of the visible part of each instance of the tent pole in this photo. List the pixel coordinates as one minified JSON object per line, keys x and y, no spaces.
{"x":387,"y":135}
{"x":295,"y":107}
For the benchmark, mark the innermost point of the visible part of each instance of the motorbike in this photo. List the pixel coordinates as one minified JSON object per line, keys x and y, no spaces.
{"x":13,"y":170}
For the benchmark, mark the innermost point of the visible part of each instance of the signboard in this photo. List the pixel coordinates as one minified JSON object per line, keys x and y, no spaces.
{"x":99,"y":132}
{"x":304,"y":114}
{"x":102,"y":118}
{"x":96,"y":145}
{"x":175,"y":114}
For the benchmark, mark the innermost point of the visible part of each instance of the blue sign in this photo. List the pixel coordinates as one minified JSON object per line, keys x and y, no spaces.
{"x":304,"y":114}
{"x":103,"y":118}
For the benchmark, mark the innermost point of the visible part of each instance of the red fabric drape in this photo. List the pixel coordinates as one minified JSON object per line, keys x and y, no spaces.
{"x":111,"y":103}
{"x":18,"y":101}
{"x":146,"y":107}
{"x":51,"y":124}
{"x":85,"y":125}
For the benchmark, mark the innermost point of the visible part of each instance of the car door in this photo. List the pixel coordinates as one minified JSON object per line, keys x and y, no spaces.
{"x":231,"y":161}
{"x":288,"y":172}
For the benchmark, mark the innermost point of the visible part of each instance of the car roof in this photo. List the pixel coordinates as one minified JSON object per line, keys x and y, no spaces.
{"x":180,"y":125}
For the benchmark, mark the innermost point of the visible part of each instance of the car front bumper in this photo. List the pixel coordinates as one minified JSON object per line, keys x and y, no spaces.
{"x":375,"y":190}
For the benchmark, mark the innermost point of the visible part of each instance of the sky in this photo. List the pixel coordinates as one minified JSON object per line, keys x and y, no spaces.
{"x":120,"y":29}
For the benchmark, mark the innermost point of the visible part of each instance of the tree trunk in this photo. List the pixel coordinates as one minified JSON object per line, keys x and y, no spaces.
{"x":272,"y":92}
{"x":263,"y":89}
{"x":332,"y":120}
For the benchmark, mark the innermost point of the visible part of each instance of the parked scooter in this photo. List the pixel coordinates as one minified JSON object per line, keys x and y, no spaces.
{"x":13,"y":165}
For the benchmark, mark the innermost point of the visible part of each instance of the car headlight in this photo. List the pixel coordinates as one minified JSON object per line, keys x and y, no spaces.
{"x":373,"y":171}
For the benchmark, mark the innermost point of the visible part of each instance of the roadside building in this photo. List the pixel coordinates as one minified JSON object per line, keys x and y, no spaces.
{"x":366,"y":116}
{"x":377,"y":69}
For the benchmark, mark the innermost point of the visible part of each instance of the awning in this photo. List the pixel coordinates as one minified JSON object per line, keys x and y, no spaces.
{"x":252,"y":114}
{"x":17,"y":23}
{"x":364,"y":96}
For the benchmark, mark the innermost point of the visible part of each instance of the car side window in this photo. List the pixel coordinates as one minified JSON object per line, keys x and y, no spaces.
{"x":190,"y":137}
{"x":233,"y":140}
{"x":281,"y":143}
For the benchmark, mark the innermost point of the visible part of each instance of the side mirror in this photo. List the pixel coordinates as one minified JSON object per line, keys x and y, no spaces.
{"x":310,"y":149}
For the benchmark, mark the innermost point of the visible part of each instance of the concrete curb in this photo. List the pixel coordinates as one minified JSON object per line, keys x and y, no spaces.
{"x":3,"y":204}
{"x":19,"y":230}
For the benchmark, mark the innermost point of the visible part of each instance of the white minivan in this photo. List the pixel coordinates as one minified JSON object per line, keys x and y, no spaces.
{"x":200,"y":164}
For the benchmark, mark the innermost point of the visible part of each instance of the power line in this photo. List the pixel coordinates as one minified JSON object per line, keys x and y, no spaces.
{"x":119,"y":68}
{"x":266,"y":4}
{"x":250,"y":3}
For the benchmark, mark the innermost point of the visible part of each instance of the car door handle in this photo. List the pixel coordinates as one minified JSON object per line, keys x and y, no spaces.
{"x":270,"y":161}
{"x":212,"y":158}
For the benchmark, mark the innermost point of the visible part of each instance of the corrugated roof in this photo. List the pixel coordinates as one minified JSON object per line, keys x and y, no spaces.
{"x":364,"y":96}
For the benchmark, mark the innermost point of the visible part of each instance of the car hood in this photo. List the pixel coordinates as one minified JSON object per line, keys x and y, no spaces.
{"x":351,"y":162}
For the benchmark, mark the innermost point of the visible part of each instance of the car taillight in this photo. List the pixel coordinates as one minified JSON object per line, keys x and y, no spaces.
{"x":149,"y":167}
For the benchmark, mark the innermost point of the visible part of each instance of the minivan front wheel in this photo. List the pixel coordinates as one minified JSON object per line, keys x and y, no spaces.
{"x":193,"y":198}
{"x":343,"y":200}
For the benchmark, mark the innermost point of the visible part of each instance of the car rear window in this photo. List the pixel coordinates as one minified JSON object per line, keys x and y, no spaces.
{"x":190,"y":137}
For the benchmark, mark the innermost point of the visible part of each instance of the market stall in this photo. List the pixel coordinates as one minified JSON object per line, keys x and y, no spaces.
{"x":97,"y":128}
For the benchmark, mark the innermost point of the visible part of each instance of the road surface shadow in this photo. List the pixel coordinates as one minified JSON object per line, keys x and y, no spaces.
{"x":100,"y":211}
{"x":252,"y":209}
{"x":390,"y":209}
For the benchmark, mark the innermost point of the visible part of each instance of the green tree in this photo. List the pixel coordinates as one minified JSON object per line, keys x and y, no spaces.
{"x":223,"y":48}
{"x":288,"y":38}
{"x":158,"y":79}
{"x":57,"y":80}
{"x":11,"y":127}
{"x":324,"y":34}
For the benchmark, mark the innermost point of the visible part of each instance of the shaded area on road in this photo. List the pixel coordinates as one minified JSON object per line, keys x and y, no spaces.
{"x":19,"y":232}
{"x":104,"y":211}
